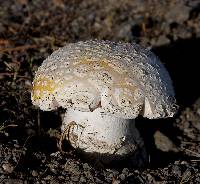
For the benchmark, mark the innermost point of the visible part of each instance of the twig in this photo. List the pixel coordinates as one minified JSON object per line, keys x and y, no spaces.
{"x":193,"y":153}
{"x":11,"y":74}
{"x":4,"y":42}
{"x":195,"y":160}
{"x":18,"y":48}
{"x":22,"y":151}
{"x":4,"y":127}
{"x":38,"y":122}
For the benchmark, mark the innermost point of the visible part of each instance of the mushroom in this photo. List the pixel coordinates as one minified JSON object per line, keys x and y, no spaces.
{"x":104,"y":86}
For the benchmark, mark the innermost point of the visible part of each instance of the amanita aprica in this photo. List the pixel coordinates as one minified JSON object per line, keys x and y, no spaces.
{"x":104,"y":86}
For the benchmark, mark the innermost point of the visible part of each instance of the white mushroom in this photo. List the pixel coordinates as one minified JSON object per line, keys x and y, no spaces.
{"x":104,"y":86}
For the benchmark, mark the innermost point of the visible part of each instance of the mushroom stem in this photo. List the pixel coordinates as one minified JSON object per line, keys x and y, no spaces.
{"x":95,"y":132}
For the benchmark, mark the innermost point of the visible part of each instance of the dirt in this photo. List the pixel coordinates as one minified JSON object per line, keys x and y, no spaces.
{"x":31,"y":30}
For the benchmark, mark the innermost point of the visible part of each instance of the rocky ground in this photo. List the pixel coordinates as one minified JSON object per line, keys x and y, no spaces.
{"x":31,"y":29}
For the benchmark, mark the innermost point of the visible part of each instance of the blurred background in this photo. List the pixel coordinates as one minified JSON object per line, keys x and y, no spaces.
{"x":30,"y":30}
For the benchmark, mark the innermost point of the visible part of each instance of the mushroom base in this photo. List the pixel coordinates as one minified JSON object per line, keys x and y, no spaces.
{"x":100,"y":134}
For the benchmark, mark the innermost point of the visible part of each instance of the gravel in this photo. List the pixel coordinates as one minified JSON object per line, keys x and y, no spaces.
{"x":31,"y":30}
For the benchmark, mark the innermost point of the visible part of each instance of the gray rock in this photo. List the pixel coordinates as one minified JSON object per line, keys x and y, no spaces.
{"x":163,"y":143}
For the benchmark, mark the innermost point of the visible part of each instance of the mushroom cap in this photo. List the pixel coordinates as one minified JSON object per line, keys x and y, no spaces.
{"x":122,"y":79}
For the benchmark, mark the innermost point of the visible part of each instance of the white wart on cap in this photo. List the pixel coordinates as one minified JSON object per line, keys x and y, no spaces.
{"x":114,"y":80}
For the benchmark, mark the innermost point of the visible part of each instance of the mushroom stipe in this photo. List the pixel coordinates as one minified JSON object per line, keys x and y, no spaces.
{"x":104,"y":86}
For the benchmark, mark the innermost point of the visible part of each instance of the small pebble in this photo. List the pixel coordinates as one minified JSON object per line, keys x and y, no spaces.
{"x":8,"y":167}
{"x":122,"y":176}
{"x":115,"y":181}
{"x":198,"y":111}
{"x":34,"y":173}
{"x":82,"y":179}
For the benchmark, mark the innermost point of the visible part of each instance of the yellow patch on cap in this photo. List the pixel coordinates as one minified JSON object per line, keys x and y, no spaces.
{"x":42,"y":86}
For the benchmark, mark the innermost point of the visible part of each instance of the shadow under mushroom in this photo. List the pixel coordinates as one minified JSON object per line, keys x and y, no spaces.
{"x":181,"y":60}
